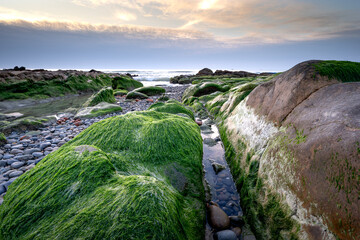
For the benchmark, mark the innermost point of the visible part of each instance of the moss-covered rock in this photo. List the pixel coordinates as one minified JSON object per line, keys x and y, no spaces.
{"x":24,"y":124}
{"x":121,"y":92}
{"x":52,"y":84}
{"x":115,"y":180}
{"x":173,"y":107}
{"x":136,"y":95}
{"x":203,"y":89}
{"x":125,"y":82}
{"x":2,"y":139}
{"x":151,"y":91}
{"x":102,"y":108}
{"x":104,"y":95}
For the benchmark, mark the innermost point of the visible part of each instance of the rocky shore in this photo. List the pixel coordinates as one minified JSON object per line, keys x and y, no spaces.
{"x":25,"y":149}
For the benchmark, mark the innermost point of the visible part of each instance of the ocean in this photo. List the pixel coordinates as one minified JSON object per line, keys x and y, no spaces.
{"x":153,"y":77}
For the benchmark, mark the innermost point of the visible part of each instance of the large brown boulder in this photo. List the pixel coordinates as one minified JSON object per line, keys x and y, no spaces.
{"x":326,"y":132}
{"x":277,"y":98}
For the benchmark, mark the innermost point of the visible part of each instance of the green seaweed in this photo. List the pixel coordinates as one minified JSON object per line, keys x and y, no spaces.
{"x":110,"y":182}
{"x":125,"y":82}
{"x":52,"y":88}
{"x":173,"y":107}
{"x":343,"y":71}
{"x":151,"y":91}
{"x":104,"y":95}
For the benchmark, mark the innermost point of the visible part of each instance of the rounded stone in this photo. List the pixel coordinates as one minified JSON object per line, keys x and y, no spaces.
{"x":225,"y":235}
{"x":17,"y":165}
{"x":3,"y":163}
{"x":44,"y":145}
{"x":37,"y":154}
{"x":218,"y":218}
{"x":15,"y":174}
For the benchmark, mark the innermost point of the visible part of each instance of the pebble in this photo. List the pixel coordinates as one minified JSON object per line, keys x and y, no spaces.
{"x":11,"y":161}
{"x":31,"y":150}
{"x":37,"y":154}
{"x":7,"y":146}
{"x":16,"y":151}
{"x":217,"y":217}
{"x":17,"y":165}
{"x":18,"y":146}
{"x":1,"y":156}
{"x":8,"y":156}
{"x":44,"y":145}
{"x":15,"y":174}
{"x":237,"y":231}
{"x":2,"y":189}
{"x":225,"y":235}
{"x":3,"y":163}
{"x":24,"y":157}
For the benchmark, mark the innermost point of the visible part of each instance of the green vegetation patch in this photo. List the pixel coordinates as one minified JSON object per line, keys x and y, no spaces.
{"x":136,"y":95}
{"x":52,"y":88}
{"x":120,"y":92}
{"x":2,"y":139}
{"x":100,"y":109}
{"x":104,"y":95}
{"x":151,"y":91}
{"x":173,"y":107}
{"x":343,"y":71}
{"x":114,"y":181}
{"x":24,"y":124}
{"x":125,"y":82}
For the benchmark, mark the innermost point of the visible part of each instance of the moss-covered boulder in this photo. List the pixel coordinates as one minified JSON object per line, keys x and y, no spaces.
{"x":102,"y":108}
{"x":24,"y":124}
{"x":135,"y":176}
{"x":151,"y":91}
{"x":173,"y":107}
{"x":104,"y":95}
{"x":202,"y":89}
{"x":120,"y":92}
{"x":125,"y":82}
{"x":136,"y":95}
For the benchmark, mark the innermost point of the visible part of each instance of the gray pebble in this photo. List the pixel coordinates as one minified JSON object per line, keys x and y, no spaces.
{"x":31,"y":150}
{"x":7,"y":146}
{"x":44,"y":145}
{"x":18,"y":146}
{"x":2,"y":189}
{"x":48,"y":137}
{"x":15,"y":174}
{"x":1,"y":156}
{"x":46,"y":153}
{"x":37,"y":154}
{"x":1,"y":151}
{"x":225,"y":235}
{"x":48,"y":149}
{"x":3,"y":170}
{"x":17,"y":165}
{"x":11,"y":161}
{"x":8,"y":156}
{"x":16,"y":151}
{"x":24,"y":157}
{"x":3,"y":163}
{"x":61,"y":143}
{"x":7,"y":184}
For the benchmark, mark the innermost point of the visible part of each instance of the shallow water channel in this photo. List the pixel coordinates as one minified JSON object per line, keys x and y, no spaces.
{"x":220,"y":181}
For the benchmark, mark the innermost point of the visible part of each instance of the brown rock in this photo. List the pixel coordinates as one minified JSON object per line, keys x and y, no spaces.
{"x":277,"y":98}
{"x":237,"y":231}
{"x":218,"y":218}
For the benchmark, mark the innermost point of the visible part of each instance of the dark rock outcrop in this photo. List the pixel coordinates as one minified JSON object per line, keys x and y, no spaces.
{"x":205,"y":72}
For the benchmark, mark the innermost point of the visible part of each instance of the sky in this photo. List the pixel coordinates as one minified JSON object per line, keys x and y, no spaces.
{"x":251,"y":35}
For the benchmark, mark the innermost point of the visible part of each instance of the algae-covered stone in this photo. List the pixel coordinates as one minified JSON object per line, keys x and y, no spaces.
{"x":173,"y":107}
{"x":202,"y":89}
{"x":102,"y":108}
{"x":151,"y":91}
{"x":125,"y":82}
{"x":136,"y":95}
{"x":120,"y":92}
{"x":104,"y":95}
{"x":110,"y":182}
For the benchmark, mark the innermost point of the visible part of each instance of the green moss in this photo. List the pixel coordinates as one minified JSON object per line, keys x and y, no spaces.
{"x":24,"y":124}
{"x":52,"y":88}
{"x":116,"y":188}
{"x":136,"y":95}
{"x":173,"y":107}
{"x":343,"y":71}
{"x":2,"y":139}
{"x":120,"y":92}
{"x":125,"y":82}
{"x":151,"y":91}
{"x":207,"y":88}
{"x":104,"y":95}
